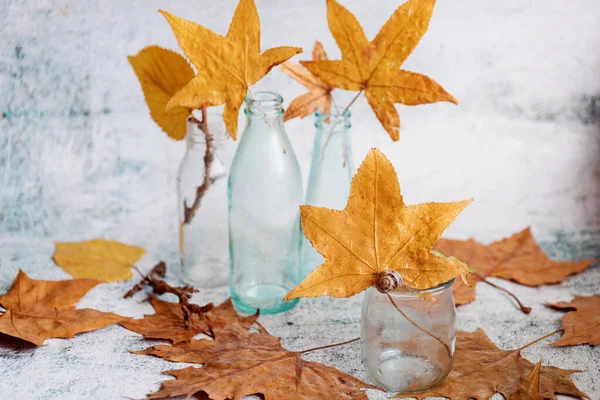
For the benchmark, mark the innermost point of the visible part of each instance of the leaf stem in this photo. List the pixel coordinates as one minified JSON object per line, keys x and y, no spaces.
{"x":419,"y":327}
{"x":209,"y":156}
{"x":328,"y":346}
{"x":523,"y":308}
{"x":539,"y":339}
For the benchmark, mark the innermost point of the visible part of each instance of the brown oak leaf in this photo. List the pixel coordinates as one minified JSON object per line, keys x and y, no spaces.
{"x":168,"y":321}
{"x":374,"y":66}
{"x":319,"y":93}
{"x":530,"y":388}
{"x":481,"y":370}
{"x":238,"y":363}
{"x":581,"y":323}
{"x":517,"y":258}
{"x":37,"y":310}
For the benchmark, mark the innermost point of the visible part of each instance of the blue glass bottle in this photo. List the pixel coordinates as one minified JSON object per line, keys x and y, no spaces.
{"x":331,"y":173}
{"x":265,"y":192}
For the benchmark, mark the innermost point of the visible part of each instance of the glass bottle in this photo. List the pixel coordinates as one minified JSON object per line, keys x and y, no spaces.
{"x":331,"y":173}
{"x":265,"y":192}
{"x":203,"y":239}
{"x":408,"y":337}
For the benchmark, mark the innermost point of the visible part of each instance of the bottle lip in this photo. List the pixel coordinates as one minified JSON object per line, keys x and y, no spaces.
{"x":401,"y":291}
{"x":264,"y":100}
{"x":335,"y":113}
{"x":196,"y":135}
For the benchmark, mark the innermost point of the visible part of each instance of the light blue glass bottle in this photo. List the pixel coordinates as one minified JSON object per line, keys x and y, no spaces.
{"x":265,"y":193}
{"x":331,"y":173}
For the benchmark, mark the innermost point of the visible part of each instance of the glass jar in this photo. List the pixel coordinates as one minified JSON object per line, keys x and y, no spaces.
{"x":265,"y":192}
{"x":331,"y":173}
{"x":408,"y":337}
{"x":202,"y":204}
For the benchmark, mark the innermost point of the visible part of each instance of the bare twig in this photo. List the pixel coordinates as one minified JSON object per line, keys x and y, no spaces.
{"x":209,"y":156}
{"x":184,"y":293}
{"x":420,"y":328}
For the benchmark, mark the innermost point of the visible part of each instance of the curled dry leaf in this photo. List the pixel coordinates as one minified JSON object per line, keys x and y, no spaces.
{"x":377,"y":232}
{"x":517,"y":258}
{"x":481,"y":370}
{"x":162,"y":73}
{"x":168,"y":322}
{"x":227,"y":65}
{"x":319,"y":93}
{"x":238,"y":363}
{"x":105,"y":260}
{"x":374,"y":67}
{"x":530,"y":388}
{"x":581,"y":323}
{"x":37,"y":310}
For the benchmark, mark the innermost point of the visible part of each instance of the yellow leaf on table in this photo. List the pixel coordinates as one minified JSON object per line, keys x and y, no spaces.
{"x":374,"y":67}
{"x":377,"y":232}
{"x":105,"y":260}
{"x":319,"y":93}
{"x":227,"y":65}
{"x":162,"y":73}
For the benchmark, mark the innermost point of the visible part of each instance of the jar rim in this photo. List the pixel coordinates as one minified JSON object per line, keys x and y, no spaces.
{"x":406,"y":290}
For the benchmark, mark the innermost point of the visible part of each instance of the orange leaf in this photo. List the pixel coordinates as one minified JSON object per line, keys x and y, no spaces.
{"x":37,"y":310}
{"x":517,"y":258}
{"x":319,"y":94}
{"x":374,"y":67}
{"x":105,"y":260}
{"x":227,"y":66}
{"x":581,"y":322}
{"x":377,"y":232}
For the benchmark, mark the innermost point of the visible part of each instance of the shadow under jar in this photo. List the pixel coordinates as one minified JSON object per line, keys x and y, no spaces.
{"x":408,"y":337}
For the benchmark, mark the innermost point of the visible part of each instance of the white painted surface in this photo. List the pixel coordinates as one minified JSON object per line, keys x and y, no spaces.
{"x":80,"y":158}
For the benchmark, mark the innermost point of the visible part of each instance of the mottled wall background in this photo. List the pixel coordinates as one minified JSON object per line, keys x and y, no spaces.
{"x":81,"y":158}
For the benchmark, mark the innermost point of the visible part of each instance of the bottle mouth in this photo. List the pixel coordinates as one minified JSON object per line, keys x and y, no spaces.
{"x":336,"y":116}
{"x":264,"y":102}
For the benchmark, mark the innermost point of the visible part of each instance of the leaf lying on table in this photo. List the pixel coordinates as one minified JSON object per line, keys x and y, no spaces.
{"x":227,"y":66}
{"x":239,"y":363}
{"x":530,"y":388}
{"x":581,"y":324}
{"x":377,"y":232}
{"x":37,"y":310}
{"x":481,"y":370}
{"x":374,"y":67}
{"x":319,"y":93}
{"x":162,"y":73}
{"x":517,"y":258}
{"x":168,"y":321}
{"x":105,"y":260}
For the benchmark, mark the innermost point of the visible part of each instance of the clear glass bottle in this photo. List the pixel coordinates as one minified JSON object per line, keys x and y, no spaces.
{"x":331,"y":173}
{"x":265,"y":192}
{"x":203,"y":238}
{"x":408,"y":337}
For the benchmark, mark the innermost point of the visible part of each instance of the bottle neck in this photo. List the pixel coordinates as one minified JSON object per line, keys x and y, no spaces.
{"x":264,"y":110}
{"x":332,"y":131}
{"x":198,"y":132}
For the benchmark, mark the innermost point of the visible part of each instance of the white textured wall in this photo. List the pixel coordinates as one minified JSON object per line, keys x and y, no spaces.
{"x":77,"y":144}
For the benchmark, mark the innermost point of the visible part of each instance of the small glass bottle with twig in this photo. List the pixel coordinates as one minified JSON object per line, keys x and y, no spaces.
{"x":407,"y":335}
{"x":202,"y":203}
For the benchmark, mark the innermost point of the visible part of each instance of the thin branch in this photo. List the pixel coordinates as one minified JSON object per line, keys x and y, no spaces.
{"x":523,"y":308}
{"x":420,"y":328}
{"x":209,"y":156}
{"x":328,"y":346}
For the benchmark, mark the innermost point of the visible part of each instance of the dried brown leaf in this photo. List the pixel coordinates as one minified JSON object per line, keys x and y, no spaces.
{"x":37,"y":310}
{"x":530,"y":388}
{"x":581,"y":323}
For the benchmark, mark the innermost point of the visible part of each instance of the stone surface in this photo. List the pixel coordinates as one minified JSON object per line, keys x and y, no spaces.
{"x":80,"y":158}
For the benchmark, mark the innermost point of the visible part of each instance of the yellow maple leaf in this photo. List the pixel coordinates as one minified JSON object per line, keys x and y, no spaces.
{"x":104,"y":260}
{"x":162,"y":73}
{"x":377,"y":232}
{"x":227,"y":66}
{"x":319,"y":93}
{"x":374,"y":67}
